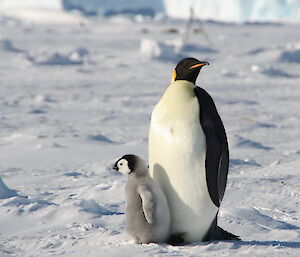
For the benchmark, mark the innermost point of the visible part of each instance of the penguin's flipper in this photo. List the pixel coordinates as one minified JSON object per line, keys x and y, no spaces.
{"x":148,"y":203}
{"x":217,"y":155}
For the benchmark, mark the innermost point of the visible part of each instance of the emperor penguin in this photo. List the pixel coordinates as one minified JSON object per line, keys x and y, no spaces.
{"x":189,"y":157}
{"x":146,"y":208}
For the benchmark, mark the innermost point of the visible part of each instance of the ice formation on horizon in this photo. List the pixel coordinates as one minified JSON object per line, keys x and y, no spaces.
{"x":230,"y":10}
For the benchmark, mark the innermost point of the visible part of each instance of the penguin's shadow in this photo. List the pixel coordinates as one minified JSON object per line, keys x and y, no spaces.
{"x":239,"y":244}
{"x":159,"y":174}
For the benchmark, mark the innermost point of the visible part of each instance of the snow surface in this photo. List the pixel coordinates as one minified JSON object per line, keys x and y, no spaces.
{"x":74,"y":98}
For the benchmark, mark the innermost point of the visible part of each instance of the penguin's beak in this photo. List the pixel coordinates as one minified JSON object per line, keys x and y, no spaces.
{"x":199,"y":65}
{"x":115,"y":167}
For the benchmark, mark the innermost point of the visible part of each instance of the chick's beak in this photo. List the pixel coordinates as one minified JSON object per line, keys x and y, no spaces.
{"x":115,"y":167}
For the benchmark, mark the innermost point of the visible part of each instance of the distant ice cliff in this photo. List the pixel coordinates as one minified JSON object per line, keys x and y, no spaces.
{"x":229,"y":10}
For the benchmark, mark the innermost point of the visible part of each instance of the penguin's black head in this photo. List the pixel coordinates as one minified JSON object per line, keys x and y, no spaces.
{"x":126,"y":164}
{"x":130,"y":163}
{"x":188,"y":69}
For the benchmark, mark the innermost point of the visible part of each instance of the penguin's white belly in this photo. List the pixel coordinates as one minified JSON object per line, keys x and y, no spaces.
{"x":177,"y":149}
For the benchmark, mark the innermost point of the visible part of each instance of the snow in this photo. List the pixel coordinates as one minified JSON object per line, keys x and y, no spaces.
{"x":36,"y":11}
{"x":43,"y":16}
{"x":75,"y":97}
{"x":32,"y":4}
{"x":5,"y":192}
{"x":291,"y":54}
{"x":152,"y":49}
{"x":75,"y":56}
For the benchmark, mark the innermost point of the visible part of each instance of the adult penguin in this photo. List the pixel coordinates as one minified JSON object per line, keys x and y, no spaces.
{"x":189,"y":157}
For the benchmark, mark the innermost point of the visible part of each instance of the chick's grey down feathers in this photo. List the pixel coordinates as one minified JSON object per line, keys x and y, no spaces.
{"x":146,"y":208}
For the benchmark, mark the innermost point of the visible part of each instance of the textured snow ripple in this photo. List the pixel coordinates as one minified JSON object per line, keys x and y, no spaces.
{"x":273,"y":72}
{"x":244,"y":142}
{"x":255,"y":216}
{"x":74,"y":57}
{"x":100,"y":138}
{"x":92,"y":207}
{"x":291,"y":55}
{"x":238,"y":162}
{"x":8,"y":45}
{"x":6,"y":192}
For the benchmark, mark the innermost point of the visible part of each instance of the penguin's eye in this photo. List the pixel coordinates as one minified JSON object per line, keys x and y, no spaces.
{"x":121,"y":163}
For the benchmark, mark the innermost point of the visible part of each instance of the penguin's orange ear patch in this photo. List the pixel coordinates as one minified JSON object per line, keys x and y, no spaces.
{"x":174,"y":75}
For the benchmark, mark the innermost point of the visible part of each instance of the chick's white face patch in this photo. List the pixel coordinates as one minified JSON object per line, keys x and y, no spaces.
{"x":123,"y":166}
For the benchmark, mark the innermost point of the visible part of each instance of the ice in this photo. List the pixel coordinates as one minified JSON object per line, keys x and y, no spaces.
{"x":230,"y":10}
{"x":115,"y":7}
{"x":235,"y":10}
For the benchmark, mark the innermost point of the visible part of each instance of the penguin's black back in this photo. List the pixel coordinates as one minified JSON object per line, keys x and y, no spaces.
{"x":217,"y":154}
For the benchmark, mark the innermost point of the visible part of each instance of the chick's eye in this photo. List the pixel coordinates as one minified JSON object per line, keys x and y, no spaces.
{"x":121,"y":163}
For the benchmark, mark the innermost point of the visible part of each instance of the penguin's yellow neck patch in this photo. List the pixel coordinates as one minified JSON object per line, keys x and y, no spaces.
{"x":174,"y":75}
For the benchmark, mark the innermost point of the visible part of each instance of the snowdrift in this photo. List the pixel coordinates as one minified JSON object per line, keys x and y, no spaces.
{"x":6,"y":192}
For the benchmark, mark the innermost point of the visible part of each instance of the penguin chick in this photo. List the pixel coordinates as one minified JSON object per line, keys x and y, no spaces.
{"x":146,"y":208}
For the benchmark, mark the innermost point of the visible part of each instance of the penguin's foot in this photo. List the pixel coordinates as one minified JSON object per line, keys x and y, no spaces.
{"x":221,"y":234}
{"x":227,"y":235}
{"x":176,"y":239}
